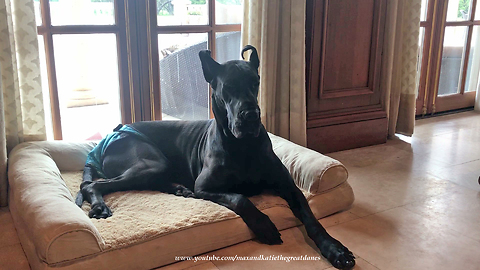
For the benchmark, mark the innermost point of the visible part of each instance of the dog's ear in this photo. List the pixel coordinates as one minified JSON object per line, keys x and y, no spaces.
{"x":209,"y":66}
{"x":253,"y":56}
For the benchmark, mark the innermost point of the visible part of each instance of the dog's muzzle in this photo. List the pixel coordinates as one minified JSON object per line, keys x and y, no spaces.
{"x":247,"y":124}
{"x":250,"y":115}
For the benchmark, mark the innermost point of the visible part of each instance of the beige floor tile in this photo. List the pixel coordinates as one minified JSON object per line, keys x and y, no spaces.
{"x":13,"y":258}
{"x":429,"y":127}
{"x":5,"y":217}
{"x":458,"y":210}
{"x":392,"y":184}
{"x":337,"y":218}
{"x":466,"y":174}
{"x":360,"y":264}
{"x":190,"y":265}
{"x":373,"y":155}
{"x":456,"y":148}
{"x":294,"y":244}
{"x":8,"y":235}
{"x":401,"y":239}
{"x":415,"y":155}
{"x":204,"y":266}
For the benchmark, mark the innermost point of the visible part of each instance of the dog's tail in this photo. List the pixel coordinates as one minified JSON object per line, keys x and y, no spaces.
{"x":79,"y":199}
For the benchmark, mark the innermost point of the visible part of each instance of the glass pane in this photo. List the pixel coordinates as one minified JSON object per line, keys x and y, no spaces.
{"x":182,"y":12}
{"x":471,"y":83}
{"x":38,"y":13}
{"x":421,"y":40}
{"x":424,"y":10}
{"x":183,"y":88}
{"x":45,"y":88}
{"x":88,"y":84}
{"x":82,"y":12}
{"x":477,"y":11}
{"x":228,"y":11}
{"x":452,"y":60}
{"x":458,"y":10}
{"x":227,"y":46}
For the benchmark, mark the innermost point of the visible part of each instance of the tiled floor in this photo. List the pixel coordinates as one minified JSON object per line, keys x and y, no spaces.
{"x":417,"y":207}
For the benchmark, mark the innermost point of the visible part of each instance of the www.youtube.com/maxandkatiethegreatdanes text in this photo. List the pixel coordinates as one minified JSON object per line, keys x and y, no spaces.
{"x":248,"y":258}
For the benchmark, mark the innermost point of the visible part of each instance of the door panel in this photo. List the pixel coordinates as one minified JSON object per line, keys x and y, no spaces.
{"x":348,"y":44}
{"x":344,"y":46}
{"x":345,"y":67}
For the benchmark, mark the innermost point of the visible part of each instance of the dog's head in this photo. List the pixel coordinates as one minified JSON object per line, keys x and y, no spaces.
{"x":235,"y":91}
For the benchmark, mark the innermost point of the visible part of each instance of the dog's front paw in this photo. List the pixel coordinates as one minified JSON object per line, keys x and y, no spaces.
{"x":184,"y":192}
{"x":99,"y":211}
{"x":337,"y":254}
{"x":265,"y":231}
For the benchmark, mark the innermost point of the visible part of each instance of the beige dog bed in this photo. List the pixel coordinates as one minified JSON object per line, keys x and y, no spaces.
{"x":147,"y":229}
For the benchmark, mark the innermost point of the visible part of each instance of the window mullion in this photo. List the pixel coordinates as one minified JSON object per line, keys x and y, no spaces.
{"x":467,"y":47}
{"x":51,"y":71}
{"x":154,"y":68}
{"x":137,"y":60}
{"x":123,"y":68}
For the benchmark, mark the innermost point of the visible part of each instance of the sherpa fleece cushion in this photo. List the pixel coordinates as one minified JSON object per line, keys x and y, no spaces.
{"x":147,"y":229}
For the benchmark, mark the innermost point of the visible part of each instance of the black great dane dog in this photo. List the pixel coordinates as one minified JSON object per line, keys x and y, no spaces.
{"x":223,"y":160}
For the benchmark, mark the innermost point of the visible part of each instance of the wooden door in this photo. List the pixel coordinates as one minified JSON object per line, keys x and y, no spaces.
{"x":344,"y":47}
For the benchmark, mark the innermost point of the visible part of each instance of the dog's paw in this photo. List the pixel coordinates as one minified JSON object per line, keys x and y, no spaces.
{"x":99,"y":211}
{"x":265,"y":231}
{"x":338,"y":255}
{"x":184,"y":192}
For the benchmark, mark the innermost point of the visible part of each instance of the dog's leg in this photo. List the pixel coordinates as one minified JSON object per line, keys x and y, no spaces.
{"x":88,"y":175}
{"x":336,"y":253}
{"x":144,"y":175}
{"x":129,"y":164}
{"x":258,"y":222}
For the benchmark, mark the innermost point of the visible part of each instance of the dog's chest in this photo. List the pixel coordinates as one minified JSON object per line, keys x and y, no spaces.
{"x":245,"y":176}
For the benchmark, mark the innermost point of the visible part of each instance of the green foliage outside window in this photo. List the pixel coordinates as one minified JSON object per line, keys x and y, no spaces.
{"x":164,"y":7}
{"x":463,"y":5}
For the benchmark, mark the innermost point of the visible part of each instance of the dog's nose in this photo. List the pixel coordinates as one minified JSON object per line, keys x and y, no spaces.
{"x":251,"y":115}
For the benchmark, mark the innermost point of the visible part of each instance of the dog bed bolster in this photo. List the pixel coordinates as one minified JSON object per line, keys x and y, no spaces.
{"x":58,"y":228}
{"x":310,"y":170}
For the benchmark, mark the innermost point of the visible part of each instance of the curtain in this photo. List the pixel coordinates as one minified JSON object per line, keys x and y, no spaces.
{"x":277,"y":30}
{"x":477,"y":98}
{"x":21,"y":103}
{"x":400,"y":63}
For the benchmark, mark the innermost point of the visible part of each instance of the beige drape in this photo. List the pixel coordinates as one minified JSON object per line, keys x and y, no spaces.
{"x":21,"y":103}
{"x":399,"y":68}
{"x":277,"y":30}
{"x":477,"y":98}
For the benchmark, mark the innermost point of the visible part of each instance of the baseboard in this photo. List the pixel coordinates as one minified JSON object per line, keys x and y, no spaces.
{"x":333,"y":138}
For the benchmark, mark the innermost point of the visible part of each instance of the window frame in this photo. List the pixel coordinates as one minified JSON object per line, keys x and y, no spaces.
{"x":137,"y":33}
{"x":428,"y":101}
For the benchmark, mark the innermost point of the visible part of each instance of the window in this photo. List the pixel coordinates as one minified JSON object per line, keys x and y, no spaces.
{"x":449,"y":46}
{"x":129,"y":60}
